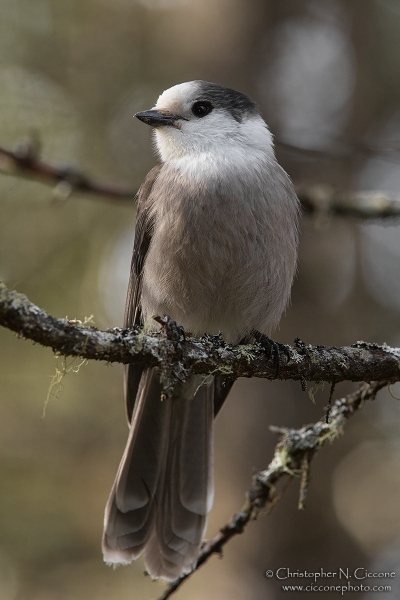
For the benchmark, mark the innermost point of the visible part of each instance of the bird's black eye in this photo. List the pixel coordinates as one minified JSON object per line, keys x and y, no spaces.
{"x":201,"y":109}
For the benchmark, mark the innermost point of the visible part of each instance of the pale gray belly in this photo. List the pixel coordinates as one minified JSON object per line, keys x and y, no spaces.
{"x":221,"y":277}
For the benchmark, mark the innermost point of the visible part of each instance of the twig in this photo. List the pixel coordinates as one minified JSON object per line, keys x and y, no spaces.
{"x":24,"y":162}
{"x":324,"y":200}
{"x":304,"y":481}
{"x":208,"y":355}
{"x":295,"y":448}
{"x":345,"y":149}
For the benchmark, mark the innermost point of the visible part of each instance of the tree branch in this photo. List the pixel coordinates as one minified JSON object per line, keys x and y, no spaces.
{"x":319,"y":200}
{"x":292,"y":457}
{"x":324,"y":200}
{"x":25,"y":162}
{"x":176,"y":355}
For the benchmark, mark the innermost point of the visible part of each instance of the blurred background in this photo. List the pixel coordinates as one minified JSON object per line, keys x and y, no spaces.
{"x":326,"y":76}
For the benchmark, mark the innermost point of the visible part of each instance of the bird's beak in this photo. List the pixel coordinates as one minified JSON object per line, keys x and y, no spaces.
{"x":157,"y":118}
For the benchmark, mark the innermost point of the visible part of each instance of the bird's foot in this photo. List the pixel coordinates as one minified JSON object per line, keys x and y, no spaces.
{"x":174,"y":332}
{"x":272,"y":349}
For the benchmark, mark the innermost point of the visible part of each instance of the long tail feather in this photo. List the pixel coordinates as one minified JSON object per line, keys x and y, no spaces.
{"x":164,"y":489}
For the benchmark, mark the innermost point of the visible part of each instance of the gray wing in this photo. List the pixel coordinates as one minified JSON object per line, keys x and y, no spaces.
{"x":133,"y":316}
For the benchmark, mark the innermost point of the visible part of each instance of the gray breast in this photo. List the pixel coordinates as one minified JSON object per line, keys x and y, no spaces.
{"x":223,"y":252}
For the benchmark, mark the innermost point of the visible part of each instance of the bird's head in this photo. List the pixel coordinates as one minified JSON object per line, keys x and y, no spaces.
{"x":200,"y":117}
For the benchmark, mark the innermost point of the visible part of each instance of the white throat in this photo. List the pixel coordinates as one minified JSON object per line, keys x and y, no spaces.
{"x":219,"y":139}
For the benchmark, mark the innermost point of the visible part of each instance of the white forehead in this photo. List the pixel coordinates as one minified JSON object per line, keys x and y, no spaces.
{"x":178,"y":95}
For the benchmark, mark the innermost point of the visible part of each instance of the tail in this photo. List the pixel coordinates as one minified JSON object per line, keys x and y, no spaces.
{"x":163,"y":490}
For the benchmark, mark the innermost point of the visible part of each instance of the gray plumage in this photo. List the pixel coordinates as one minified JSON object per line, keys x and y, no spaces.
{"x":215,"y":249}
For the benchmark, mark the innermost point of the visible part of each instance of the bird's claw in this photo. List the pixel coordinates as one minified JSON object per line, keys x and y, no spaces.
{"x":272,"y":349}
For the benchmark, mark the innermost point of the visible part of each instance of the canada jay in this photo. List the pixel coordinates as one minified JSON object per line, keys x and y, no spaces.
{"x":215,"y":249}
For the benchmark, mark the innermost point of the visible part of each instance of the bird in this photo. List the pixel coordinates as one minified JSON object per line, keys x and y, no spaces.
{"x":215,"y":249}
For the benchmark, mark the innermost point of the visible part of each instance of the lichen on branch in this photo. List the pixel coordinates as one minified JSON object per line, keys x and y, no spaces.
{"x":208,"y":355}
